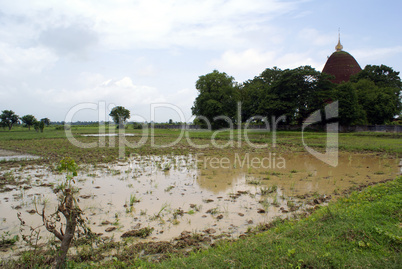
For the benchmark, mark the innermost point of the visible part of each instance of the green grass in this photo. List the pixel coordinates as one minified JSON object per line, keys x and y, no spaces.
{"x":53,"y":145}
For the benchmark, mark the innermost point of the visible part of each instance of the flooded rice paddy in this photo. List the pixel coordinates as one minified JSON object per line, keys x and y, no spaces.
{"x":195,"y":193}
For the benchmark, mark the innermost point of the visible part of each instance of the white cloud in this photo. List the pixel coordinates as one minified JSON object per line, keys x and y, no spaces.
{"x":163,"y":23}
{"x":75,"y":39}
{"x":15,"y":61}
{"x":246,"y":64}
{"x":377,"y":54}
{"x":123,"y":91}
{"x":293,"y":60}
{"x":146,"y":51}
{"x":120,"y":91}
{"x":154,"y":23}
{"x":314,"y":37}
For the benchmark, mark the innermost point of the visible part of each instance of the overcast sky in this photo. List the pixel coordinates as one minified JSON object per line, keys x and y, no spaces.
{"x":55,"y":55}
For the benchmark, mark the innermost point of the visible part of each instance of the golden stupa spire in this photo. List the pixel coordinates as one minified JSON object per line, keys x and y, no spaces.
{"x":339,"y":46}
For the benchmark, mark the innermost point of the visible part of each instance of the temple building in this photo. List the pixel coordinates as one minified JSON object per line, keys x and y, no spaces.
{"x":341,"y":65}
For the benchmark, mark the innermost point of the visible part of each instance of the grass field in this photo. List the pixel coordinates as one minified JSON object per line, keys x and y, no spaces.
{"x":361,"y":230}
{"x":53,"y":145}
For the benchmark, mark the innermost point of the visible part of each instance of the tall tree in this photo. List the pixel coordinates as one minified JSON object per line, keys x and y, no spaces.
{"x":379,"y":103}
{"x":45,"y":121}
{"x":351,"y":112}
{"x":218,"y":96}
{"x":120,"y":115}
{"x":256,"y":95}
{"x":9,"y":118}
{"x":389,"y":92}
{"x":382,"y":76}
{"x":28,"y":120}
{"x":297,"y":93}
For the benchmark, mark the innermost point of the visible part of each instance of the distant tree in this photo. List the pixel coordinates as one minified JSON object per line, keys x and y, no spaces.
{"x":39,"y":126}
{"x":137,"y":125}
{"x":28,"y":120}
{"x":218,"y":96}
{"x":46,"y":121}
{"x":9,"y":118}
{"x":36,"y":126}
{"x":120,"y":115}
{"x":2,"y":124}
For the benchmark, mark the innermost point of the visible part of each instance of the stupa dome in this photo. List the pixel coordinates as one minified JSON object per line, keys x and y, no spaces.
{"x":341,"y":65}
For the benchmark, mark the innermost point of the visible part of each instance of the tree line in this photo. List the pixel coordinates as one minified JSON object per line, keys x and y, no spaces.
{"x":373,"y":96}
{"x":8,"y":119}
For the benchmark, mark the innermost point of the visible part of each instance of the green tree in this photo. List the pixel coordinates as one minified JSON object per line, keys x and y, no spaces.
{"x":382,"y":76}
{"x":256,"y":95}
{"x":296,"y":93}
{"x":41,"y":126}
{"x":120,"y":115}
{"x":28,"y":120}
{"x":351,"y":111}
{"x":46,"y":121}
{"x":218,"y":96}
{"x":379,"y":103}
{"x":386,"y":86}
{"x":9,"y":118}
{"x":36,"y":126}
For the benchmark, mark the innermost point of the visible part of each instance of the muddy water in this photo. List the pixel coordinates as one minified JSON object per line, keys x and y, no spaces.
{"x":7,"y":155}
{"x":193,"y":193}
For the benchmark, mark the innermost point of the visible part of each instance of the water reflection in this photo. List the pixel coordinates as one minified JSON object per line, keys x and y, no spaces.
{"x":216,"y":191}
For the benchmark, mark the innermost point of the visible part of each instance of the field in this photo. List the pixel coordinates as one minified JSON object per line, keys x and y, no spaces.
{"x":53,"y":145}
{"x":244,"y":213}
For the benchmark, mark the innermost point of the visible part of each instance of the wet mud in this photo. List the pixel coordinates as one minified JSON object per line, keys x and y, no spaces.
{"x":162,"y":198}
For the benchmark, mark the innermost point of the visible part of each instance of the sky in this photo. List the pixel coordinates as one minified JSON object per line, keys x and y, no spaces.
{"x":75,"y":60}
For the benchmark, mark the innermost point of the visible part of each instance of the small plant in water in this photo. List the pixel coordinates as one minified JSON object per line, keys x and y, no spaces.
{"x":69,"y":208}
{"x":253,"y":181}
{"x":116,"y":217}
{"x":265,"y":203}
{"x":133,"y":199}
{"x":265,"y":190}
{"x":146,"y":231}
{"x":292,"y":185}
{"x":191,"y":212}
{"x":290,"y":203}
{"x":213,"y":211}
{"x":168,"y":189}
{"x":177,"y":212}
{"x":158,"y":215}
{"x":275,"y":202}
{"x":7,"y":240}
